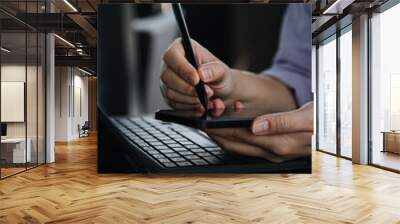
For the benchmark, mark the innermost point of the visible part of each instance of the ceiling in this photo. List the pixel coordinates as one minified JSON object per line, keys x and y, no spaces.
{"x":75,"y":22}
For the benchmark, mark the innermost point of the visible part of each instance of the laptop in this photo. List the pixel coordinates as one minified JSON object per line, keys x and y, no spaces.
{"x":166,"y":147}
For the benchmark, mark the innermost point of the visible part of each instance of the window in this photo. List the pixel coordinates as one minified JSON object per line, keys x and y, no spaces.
{"x":346,"y":93}
{"x":334,"y":106}
{"x":385,"y":89}
{"x":327,"y":96}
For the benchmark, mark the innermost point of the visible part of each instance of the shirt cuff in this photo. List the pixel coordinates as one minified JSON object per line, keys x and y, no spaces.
{"x":300,"y":85}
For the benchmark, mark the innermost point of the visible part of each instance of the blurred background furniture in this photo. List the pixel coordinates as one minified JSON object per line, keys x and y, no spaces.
{"x":13,"y":151}
{"x":391,"y":141}
{"x":84,"y":129}
{"x":155,"y":31}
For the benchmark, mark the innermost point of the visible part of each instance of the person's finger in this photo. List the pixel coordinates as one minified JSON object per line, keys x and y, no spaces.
{"x":210,"y":105}
{"x":218,"y":107}
{"x":218,"y":104}
{"x":290,"y":144}
{"x":209,"y":91}
{"x":213,"y":71}
{"x":244,"y":135}
{"x":245,"y":149}
{"x":174,"y":57}
{"x":286,"y":146}
{"x":238,"y":106}
{"x":173,"y":81}
{"x":217,"y":112}
{"x":181,"y":98}
{"x":285,"y":122}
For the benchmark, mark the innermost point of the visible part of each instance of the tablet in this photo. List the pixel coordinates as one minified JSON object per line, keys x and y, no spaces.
{"x":228,"y":118}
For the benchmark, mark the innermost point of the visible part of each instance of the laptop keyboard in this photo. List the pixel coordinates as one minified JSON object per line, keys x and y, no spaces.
{"x":173,"y":145}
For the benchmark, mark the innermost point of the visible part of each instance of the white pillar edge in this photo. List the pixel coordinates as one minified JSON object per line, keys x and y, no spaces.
{"x":360,"y":90}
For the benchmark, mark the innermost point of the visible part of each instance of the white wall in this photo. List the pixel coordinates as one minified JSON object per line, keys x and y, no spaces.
{"x":33,"y":126}
{"x":71,"y":93}
{"x":61,"y":103}
{"x":80,"y":111}
{"x":12,"y":73}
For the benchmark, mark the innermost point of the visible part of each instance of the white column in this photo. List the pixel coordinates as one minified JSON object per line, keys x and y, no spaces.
{"x":50,"y":92}
{"x":50,"y":99}
{"x":63,"y":103}
{"x":360,"y":90}
{"x":314,"y":91}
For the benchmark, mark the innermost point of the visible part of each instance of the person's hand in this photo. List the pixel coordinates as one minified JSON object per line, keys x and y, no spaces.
{"x":179,"y":78}
{"x":276,"y":137}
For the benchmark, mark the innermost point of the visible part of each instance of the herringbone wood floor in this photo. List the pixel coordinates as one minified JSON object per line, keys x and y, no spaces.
{"x":70,"y":191}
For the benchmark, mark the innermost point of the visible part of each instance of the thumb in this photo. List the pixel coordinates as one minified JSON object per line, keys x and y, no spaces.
{"x":285,"y":122}
{"x":212,"y":71}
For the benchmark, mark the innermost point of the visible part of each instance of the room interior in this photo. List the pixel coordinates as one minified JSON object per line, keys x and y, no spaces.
{"x":48,"y":93}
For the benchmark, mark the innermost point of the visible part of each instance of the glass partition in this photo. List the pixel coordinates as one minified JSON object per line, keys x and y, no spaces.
{"x":14,"y":151}
{"x":31,"y":99}
{"x":22,"y":77}
{"x":327,"y":96}
{"x":32,"y":104}
{"x":385,"y":89}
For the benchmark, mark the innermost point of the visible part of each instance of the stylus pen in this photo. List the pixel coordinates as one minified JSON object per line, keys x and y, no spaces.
{"x":187,"y":46}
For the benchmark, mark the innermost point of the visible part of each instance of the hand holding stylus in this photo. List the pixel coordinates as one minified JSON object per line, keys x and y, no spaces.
{"x":189,"y":52}
{"x":179,"y":78}
{"x":224,"y":86}
{"x":189,"y":70}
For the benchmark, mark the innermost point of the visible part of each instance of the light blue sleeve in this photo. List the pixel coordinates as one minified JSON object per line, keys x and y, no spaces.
{"x":292,"y":62}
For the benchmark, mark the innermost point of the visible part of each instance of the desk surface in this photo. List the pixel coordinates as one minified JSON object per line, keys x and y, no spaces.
{"x":71,"y":191}
{"x":390,"y":132}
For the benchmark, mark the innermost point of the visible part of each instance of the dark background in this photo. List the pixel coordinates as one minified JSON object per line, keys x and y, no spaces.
{"x":243,"y":36}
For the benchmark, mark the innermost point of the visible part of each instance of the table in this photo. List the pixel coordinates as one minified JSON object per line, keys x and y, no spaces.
{"x":13,"y":150}
{"x":391,"y":141}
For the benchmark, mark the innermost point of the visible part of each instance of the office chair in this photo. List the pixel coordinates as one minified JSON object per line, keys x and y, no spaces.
{"x":84,"y":129}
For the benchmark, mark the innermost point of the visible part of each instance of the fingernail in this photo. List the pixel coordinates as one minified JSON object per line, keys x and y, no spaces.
{"x":261,"y":127}
{"x":206,"y":73}
{"x":209,"y":91}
